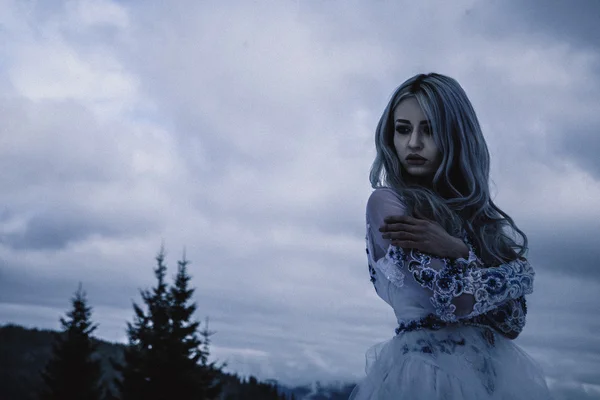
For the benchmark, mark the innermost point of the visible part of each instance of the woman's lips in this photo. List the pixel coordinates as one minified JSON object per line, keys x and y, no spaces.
{"x":416,"y":161}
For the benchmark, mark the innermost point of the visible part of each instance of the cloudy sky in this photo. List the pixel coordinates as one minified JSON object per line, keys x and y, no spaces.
{"x":243,"y":131}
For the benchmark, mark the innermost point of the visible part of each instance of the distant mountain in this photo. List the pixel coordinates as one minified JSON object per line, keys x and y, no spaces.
{"x":24,"y":353}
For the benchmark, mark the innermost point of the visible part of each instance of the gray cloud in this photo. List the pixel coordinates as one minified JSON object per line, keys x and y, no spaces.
{"x":55,"y":229}
{"x":577,"y":24}
{"x":571,"y":250}
{"x":557,"y":20}
{"x":584,"y":147}
{"x":48,"y":142}
{"x":571,"y":120}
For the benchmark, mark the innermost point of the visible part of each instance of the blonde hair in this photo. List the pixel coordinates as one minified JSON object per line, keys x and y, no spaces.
{"x":459,"y":196}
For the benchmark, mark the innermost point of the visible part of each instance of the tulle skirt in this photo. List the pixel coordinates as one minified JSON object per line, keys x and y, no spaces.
{"x":460,"y":362}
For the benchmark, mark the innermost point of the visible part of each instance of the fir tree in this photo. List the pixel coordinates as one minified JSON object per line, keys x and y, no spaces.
{"x":166,"y":358}
{"x":144,"y":357}
{"x":73,"y":373}
{"x":211,"y":373}
{"x":195,"y":377}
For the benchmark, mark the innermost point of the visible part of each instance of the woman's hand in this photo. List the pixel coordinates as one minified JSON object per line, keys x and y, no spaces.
{"x":424,"y":235}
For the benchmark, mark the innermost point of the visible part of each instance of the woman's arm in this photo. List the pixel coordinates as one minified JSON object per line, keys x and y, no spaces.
{"x":509,"y":318}
{"x":459,"y":289}
{"x":429,"y":237}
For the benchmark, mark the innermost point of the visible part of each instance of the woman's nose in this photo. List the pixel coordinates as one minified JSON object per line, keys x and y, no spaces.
{"x":415,"y":140}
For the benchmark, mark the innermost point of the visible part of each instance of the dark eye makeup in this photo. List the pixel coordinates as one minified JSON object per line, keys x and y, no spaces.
{"x":406,"y":129}
{"x":403,"y":129}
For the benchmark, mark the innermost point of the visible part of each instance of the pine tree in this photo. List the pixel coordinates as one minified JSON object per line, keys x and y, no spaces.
{"x":166,"y":358}
{"x":73,"y":373}
{"x":211,"y":373}
{"x":144,"y":357}
{"x":194,"y":377}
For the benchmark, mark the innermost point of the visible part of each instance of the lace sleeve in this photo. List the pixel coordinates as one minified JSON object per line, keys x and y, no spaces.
{"x":509,"y":319}
{"x":460,"y":288}
{"x":489,"y":287}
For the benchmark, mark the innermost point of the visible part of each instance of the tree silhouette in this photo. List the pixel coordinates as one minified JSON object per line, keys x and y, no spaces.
{"x":195,"y":374}
{"x":165,"y":358}
{"x":212,"y":374}
{"x":73,"y":373}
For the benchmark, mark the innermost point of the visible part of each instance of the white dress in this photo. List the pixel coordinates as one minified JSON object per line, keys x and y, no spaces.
{"x":449,"y":344}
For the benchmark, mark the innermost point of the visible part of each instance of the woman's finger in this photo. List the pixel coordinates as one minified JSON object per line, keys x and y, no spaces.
{"x":396,"y":227}
{"x":405,"y":219}
{"x":402,"y":235}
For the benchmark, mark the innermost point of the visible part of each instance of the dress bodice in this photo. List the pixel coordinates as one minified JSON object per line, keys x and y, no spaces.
{"x":408,"y":302}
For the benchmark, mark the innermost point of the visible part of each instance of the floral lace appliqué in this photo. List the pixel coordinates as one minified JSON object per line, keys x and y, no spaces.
{"x":509,"y":318}
{"x":490,"y":286}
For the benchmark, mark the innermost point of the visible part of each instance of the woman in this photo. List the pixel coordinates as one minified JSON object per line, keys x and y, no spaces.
{"x":444,"y":256}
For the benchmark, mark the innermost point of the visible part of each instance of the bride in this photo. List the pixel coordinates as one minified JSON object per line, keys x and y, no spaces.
{"x":444,"y":257}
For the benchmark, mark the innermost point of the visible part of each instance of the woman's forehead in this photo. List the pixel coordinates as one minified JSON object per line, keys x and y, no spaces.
{"x":409,"y":109}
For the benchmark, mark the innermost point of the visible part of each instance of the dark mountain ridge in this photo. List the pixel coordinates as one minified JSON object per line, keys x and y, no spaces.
{"x":24,"y":352}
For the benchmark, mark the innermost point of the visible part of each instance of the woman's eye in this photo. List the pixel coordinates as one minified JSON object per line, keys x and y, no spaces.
{"x":426,"y":129}
{"x":403,"y":129}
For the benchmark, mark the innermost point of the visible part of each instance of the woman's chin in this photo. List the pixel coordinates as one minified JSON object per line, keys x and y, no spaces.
{"x":419,"y":172}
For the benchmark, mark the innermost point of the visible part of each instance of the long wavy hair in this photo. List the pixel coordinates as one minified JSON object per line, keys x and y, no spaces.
{"x":459,"y":196}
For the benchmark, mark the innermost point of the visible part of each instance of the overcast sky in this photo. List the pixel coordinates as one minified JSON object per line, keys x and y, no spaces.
{"x":243,"y":132}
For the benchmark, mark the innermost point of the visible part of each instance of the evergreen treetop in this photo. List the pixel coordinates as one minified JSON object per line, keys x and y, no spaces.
{"x":73,"y":372}
{"x":166,"y":358}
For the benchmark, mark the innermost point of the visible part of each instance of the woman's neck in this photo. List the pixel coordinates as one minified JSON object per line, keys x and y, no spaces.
{"x":425,"y":182}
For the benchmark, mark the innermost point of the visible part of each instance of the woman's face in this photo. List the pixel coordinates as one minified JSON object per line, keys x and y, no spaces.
{"x":413,"y":138}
